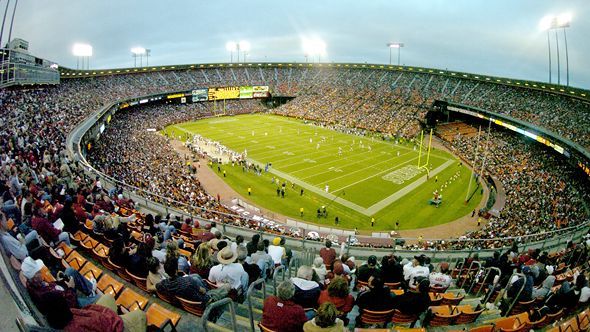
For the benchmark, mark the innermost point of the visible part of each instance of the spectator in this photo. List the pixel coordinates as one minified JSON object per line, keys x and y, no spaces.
{"x":228,"y":272}
{"x":73,"y":287}
{"x":98,"y":317}
{"x":252,"y":246}
{"x":376,"y":298}
{"x":328,"y":254}
{"x":337,"y":293}
{"x":441,"y":279}
{"x":263,"y":260}
{"x":368,"y":269}
{"x":280,"y":313}
{"x":415,"y":271}
{"x":326,"y":320}
{"x":201,"y":261}
{"x":190,"y":288}
{"x":154,"y":275}
{"x":306,"y":290}
{"x":414,"y":301}
{"x":320,"y":270}
{"x":276,"y":251}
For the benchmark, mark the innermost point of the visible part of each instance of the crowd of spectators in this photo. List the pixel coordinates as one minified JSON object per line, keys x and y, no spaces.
{"x":36,"y":121}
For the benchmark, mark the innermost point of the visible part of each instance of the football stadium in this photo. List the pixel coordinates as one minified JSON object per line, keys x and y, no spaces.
{"x":317,"y":194}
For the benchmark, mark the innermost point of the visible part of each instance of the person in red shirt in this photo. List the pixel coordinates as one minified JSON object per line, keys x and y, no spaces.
{"x":328,"y":254}
{"x":338,"y":294}
{"x":46,"y":230}
{"x":280,"y":313}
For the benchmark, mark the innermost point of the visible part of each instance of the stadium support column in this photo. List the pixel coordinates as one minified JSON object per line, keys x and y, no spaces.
{"x":420,"y":152}
{"x":474,"y":163}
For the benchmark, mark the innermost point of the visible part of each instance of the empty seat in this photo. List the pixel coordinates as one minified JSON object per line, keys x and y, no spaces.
{"x":451,"y":299}
{"x":468,"y":315}
{"x":131,"y":300}
{"x":46,"y":274}
{"x":521,"y":306}
{"x":513,"y":323}
{"x":442,"y":316}
{"x":89,"y":225}
{"x":90,"y":271}
{"x":75,"y":260}
{"x":584,"y":320}
{"x":78,"y":236}
{"x":159,"y":317}
{"x":109,"y":285}
{"x":195,"y":308}
{"x":483,"y":328}
{"x":435,"y":299}
{"x":101,"y":252}
{"x":88,"y":243}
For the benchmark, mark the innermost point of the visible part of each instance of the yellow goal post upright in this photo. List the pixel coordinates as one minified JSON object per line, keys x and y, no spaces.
{"x":425,"y":166}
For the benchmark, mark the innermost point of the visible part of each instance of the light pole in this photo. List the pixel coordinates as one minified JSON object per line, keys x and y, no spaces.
{"x":399,"y":47}
{"x":231,"y":47}
{"x":554,"y":23}
{"x":244,"y":46}
{"x":147,"y":57}
{"x":138,"y":52}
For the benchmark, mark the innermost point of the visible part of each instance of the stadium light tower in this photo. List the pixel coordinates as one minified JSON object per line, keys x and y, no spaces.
{"x":243,"y":46}
{"x":231,"y":47}
{"x":138,"y":52}
{"x":83,"y":51}
{"x":399,"y":47}
{"x":552,"y":22}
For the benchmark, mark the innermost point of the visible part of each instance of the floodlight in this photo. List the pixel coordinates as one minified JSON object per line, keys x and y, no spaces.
{"x":314,"y":46}
{"x":564,"y":20}
{"x":138,"y":50}
{"x":547,"y":22}
{"x":82,"y":50}
{"x":231,"y":46}
{"x":244,"y":46}
{"x":395,"y":45}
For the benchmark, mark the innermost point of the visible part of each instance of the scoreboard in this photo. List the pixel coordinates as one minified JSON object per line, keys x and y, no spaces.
{"x":219,"y":93}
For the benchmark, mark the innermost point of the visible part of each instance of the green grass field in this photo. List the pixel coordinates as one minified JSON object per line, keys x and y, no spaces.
{"x":366,"y":178}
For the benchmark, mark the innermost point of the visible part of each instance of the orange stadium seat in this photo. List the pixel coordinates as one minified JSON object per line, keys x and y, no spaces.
{"x":159,"y":317}
{"x":131,"y":301}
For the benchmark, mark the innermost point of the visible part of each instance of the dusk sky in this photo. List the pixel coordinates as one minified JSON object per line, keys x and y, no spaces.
{"x":499,"y":37}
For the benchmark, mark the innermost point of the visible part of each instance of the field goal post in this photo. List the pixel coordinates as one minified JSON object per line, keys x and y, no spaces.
{"x":425,"y":165}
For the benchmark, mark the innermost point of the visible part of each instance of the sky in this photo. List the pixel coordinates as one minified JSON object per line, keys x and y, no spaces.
{"x":499,"y":37}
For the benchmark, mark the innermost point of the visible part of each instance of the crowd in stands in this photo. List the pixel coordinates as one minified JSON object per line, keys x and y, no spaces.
{"x":36,"y":121}
{"x":542,"y":192}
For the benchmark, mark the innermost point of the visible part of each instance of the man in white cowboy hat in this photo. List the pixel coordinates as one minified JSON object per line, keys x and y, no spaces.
{"x":228,"y":271}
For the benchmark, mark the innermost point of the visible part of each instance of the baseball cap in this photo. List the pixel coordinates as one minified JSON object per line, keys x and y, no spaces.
{"x":30,"y":267}
{"x":372,"y":260}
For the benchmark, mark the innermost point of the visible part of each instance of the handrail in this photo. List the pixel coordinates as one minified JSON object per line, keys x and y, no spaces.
{"x":469,"y":271}
{"x":219,"y":303}
{"x":249,"y":294}
{"x":486,"y":275}
{"x":275,"y":274}
{"x":509,"y":285}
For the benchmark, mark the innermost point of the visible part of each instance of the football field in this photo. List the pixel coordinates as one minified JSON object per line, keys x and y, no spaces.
{"x":356,"y":178}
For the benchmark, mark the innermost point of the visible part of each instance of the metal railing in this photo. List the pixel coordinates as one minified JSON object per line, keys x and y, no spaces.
{"x":215,"y":305}
{"x":249,"y":295}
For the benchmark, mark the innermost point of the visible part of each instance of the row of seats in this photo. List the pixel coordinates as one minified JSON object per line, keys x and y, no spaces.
{"x":126,"y":299}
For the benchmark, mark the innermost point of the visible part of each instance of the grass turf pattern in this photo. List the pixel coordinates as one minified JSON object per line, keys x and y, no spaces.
{"x":365,"y":175}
